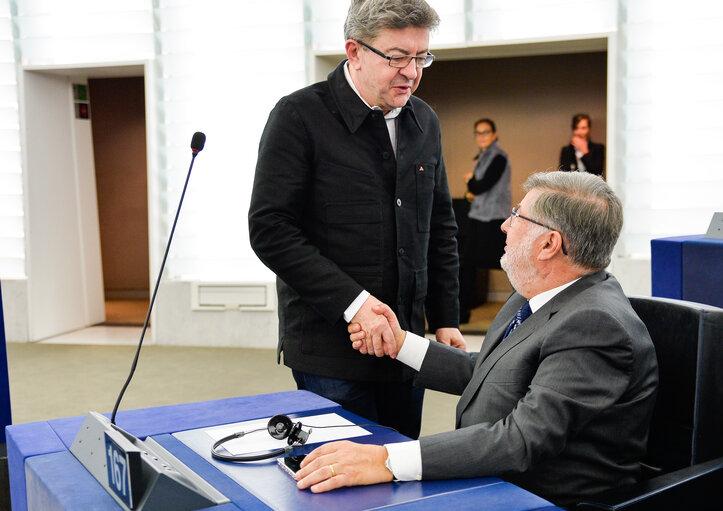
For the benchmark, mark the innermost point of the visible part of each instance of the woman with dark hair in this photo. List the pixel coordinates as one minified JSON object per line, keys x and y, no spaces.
{"x":488,"y":189}
{"x":582,"y":153}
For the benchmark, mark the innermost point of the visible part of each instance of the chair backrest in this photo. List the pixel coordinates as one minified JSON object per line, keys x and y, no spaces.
{"x":687,"y":423}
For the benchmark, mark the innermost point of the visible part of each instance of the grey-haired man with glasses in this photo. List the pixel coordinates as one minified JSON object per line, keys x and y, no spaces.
{"x":558,"y":400}
{"x":351,"y":208}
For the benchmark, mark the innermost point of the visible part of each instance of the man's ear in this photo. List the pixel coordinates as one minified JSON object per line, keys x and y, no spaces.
{"x":352,"y":53}
{"x":551,"y":244}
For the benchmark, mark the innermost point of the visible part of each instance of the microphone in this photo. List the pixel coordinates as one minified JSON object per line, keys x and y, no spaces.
{"x":197,"y":143}
{"x":142,"y":473}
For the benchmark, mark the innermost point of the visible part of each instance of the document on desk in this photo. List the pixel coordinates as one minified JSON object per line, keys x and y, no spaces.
{"x":323,"y":428}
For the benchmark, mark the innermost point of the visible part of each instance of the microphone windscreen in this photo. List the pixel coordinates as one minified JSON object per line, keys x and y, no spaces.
{"x":197,"y":142}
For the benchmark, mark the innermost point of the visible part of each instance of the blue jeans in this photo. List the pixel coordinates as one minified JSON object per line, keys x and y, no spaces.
{"x":394,"y":404}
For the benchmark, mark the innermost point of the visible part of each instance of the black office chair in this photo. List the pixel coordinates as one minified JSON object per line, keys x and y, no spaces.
{"x":683,"y":467}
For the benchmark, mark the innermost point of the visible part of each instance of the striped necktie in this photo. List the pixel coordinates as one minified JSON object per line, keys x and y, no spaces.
{"x":521,"y":315}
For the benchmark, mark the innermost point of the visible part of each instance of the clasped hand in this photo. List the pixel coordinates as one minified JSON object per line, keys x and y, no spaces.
{"x":372,"y":331}
{"x":361,"y":340}
{"x":384,"y":316}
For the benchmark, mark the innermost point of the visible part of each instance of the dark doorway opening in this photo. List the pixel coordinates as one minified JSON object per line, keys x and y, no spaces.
{"x":118,"y":119}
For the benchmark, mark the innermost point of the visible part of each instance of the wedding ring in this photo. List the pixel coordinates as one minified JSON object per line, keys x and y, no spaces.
{"x":331,"y":467}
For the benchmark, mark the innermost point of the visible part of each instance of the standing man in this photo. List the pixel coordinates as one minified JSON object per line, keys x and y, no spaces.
{"x":560,"y":396}
{"x":350,"y":208}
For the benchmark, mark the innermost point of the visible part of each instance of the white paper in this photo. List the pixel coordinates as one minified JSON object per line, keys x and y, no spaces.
{"x":263,"y":441}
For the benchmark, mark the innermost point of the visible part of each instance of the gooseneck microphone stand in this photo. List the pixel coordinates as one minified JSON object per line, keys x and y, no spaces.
{"x":197,"y":143}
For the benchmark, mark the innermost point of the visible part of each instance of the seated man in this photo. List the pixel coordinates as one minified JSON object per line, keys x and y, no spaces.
{"x":558,"y":402}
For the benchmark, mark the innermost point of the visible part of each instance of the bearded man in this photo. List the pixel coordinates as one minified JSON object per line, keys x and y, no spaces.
{"x":559,"y":398}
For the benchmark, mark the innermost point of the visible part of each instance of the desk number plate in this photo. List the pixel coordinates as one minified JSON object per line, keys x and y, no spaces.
{"x":119,"y":471}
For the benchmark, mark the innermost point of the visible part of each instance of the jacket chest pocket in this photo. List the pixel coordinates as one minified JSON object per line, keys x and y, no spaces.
{"x":424,"y":181}
{"x":353,"y":235}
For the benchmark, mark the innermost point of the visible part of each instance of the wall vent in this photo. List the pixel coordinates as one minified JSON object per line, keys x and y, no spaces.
{"x":212,"y":296}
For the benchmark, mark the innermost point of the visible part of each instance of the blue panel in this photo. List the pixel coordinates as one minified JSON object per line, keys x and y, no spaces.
{"x":31,"y":439}
{"x":58,"y":481}
{"x":266,"y":486}
{"x":497,"y":497}
{"x":270,"y":487}
{"x":23,"y":441}
{"x":703,"y":271}
{"x":237,"y":494}
{"x":5,"y":417}
{"x":221,"y":507}
{"x":54,"y":481}
{"x":666,"y":267}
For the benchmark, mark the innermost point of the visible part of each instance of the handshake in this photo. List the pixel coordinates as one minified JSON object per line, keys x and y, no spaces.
{"x":375,"y":330}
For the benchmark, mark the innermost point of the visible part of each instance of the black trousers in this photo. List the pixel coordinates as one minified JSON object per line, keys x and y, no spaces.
{"x":394,"y":404}
{"x":483,"y":248}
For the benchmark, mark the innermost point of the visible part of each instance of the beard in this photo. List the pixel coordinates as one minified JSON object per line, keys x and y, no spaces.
{"x":518,"y":264}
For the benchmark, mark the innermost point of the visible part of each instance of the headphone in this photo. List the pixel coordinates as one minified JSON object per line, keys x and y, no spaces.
{"x":279,"y":427}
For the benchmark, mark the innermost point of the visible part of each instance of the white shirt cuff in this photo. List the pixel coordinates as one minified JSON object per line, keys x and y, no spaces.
{"x":351,"y":311}
{"x":405,"y":459}
{"x":413,"y":351}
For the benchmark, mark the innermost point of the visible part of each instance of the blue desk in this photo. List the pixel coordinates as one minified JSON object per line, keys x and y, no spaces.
{"x":688,"y":268}
{"x":45,"y":475}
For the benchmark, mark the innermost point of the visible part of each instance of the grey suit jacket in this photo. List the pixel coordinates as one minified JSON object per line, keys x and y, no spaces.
{"x":560,"y":407}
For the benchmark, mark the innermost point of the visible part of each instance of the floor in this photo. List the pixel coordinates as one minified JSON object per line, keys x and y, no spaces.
{"x":70,"y":374}
{"x":125,"y":312}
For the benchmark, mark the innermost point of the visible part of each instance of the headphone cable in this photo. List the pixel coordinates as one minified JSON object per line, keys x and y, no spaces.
{"x":277,"y":452}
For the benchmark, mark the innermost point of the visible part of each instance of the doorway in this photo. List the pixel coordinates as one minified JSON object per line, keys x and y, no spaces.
{"x":118,"y":112}
{"x":531,"y":99}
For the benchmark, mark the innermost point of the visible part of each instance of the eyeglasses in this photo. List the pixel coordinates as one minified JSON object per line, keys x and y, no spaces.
{"x":485,"y":132}
{"x":516,"y":214}
{"x":402,"y":61}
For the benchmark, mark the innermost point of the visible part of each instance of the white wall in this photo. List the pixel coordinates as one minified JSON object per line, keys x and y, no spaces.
{"x":15,"y":309}
{"x":669,"y":113}
{"x":12,"y":224}
{"x":63,"y":266}
{"x":88,"y":223}
{"x":218,"y":70}
{"x":182,"y":326}
{"x":219,"y":67}
{"x":49,"y":42}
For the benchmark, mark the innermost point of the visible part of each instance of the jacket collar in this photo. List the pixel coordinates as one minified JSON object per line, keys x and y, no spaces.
{"x":513,"y":304}
{"x":492,"y":349}
{"x":351,"y":108}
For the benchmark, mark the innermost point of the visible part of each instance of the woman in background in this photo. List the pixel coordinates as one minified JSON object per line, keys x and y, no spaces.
{"x":582,"y":153}
{"x":488,"y":189}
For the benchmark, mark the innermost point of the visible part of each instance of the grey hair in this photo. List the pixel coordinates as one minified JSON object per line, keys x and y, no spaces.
{"x":367,"y":17}
{"x":584,"y":209}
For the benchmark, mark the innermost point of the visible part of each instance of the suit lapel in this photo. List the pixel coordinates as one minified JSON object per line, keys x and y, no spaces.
{"x":493,"y":350}
{"x":499,"y":325}
{"x":492,"y":338}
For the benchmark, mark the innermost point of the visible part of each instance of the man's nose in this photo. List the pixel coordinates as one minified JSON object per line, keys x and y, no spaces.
{"x":410,"y":70}
{"x":506,"y":224}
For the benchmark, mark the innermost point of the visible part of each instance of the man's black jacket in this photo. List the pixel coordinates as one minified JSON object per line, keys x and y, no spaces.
{"x":334,"y":211}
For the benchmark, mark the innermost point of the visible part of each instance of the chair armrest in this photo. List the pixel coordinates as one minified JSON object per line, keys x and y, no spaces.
{"x":695,"y":487}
